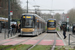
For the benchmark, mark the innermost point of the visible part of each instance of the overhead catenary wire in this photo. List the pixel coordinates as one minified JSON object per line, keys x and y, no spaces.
{"x":51,"y":6}
{"x":32,"y":4}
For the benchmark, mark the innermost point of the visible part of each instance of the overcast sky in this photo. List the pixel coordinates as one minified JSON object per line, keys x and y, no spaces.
{"x":50,"y":4}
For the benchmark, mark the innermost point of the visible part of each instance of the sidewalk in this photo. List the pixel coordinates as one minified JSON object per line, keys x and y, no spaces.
{"x":3,"y":34}
{"x":72,"y":39}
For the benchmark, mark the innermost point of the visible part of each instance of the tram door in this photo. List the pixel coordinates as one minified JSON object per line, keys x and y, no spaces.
{"x":0,"y":27}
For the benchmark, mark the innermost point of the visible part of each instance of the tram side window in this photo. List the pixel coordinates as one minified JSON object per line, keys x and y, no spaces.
{"x":38,"y":25}
{"x":41,"y":24}
{"x":35,"y":24}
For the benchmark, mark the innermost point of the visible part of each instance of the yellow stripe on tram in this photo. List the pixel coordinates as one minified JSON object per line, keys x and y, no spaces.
{"x":27,"y":29}
{"x":51,"y":28}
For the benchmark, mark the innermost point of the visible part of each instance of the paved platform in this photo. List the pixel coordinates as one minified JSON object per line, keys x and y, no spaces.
{"x":66,"y":41}
{"x":13,"y":42}
{"x":32,"y":42}
{"x":6,"y":34}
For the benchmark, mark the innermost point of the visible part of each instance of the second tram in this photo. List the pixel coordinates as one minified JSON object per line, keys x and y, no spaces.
{"x":32,"y":24}
{"x":51,"y":25}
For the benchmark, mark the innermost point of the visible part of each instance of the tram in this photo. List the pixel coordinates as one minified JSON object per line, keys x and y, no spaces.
{"x":32,"y":24}
{"x":51,"y":25}
{"x":3,"y":22}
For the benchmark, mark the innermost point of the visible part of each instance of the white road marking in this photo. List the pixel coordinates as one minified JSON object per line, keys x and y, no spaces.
{"x":62,"y":39}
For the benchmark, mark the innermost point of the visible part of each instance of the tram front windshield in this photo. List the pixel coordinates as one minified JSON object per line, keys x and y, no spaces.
{"x":51,"y":24}
{"x":27,"y":23}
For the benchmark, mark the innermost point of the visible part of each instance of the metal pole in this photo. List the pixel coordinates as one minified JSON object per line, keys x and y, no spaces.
{"x":8,"y":17}
{"x":35,"y":11}
{"x":5,"y":30}
{"x":27,"y":6}
{"x":69,"y":39}
{"x":5,"y":23}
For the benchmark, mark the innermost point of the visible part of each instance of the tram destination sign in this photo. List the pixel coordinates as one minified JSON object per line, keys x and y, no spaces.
{"x":27,"y":16}
{"x":51,"y":21}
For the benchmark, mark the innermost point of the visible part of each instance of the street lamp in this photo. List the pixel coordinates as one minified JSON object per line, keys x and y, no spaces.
{"x":9,"y":14}
{"x":35,"y":8}
{"x":8,"y":17}
{"x":0,"y":7}
{"x":27,"y":6}
{"x":52,"y":14}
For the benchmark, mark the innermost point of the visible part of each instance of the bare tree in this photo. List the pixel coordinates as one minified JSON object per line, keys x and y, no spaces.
{"x":15,"y":7}
{"x":71,"y":14}
{"x":57,"y":17}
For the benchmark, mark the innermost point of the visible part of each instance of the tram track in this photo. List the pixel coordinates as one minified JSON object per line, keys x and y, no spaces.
{"x":42,"y":37}
{"x":17,"y":43}
{"x":37,"y":42}
{"x":54,"y":43}
{"x":53,"y":46}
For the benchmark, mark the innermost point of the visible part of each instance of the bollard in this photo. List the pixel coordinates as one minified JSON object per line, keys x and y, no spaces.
{"x":69,"y":39}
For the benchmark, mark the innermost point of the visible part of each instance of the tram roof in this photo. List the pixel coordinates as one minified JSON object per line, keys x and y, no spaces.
{"x":51,"y":19}
{"x":35,"y":16}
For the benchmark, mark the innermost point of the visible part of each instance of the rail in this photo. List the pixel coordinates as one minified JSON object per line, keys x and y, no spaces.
{"x":36,"y":43}
{"x":16,"y":44}
{"x":53,"y":47}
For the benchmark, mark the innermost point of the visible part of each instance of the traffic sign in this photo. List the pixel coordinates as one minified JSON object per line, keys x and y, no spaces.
{"x":67,"y":19}
{"x":11,"y":12}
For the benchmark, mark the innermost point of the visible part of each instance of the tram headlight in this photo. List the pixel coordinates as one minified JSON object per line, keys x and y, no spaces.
{"x":21,"y":29}
{"x":33,"y":29}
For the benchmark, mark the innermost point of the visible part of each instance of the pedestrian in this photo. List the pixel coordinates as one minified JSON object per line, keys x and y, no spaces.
{"x":73,"y":29}
{"x":60,"y":28}
{"x":0,"y":28}
{"x":16,"y":28}
{"x":13,"y":28}
{"x":64,"y":31}
{"x":19,"y":28}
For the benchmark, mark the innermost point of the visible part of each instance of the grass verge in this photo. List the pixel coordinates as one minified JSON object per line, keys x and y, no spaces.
{"x":64,"y":48}
{"x":41,"y":47}
{"x":3,"y":46}
{"x":37,"y":47}
{"x":19,"y":47}
{"x":57,"y":29}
